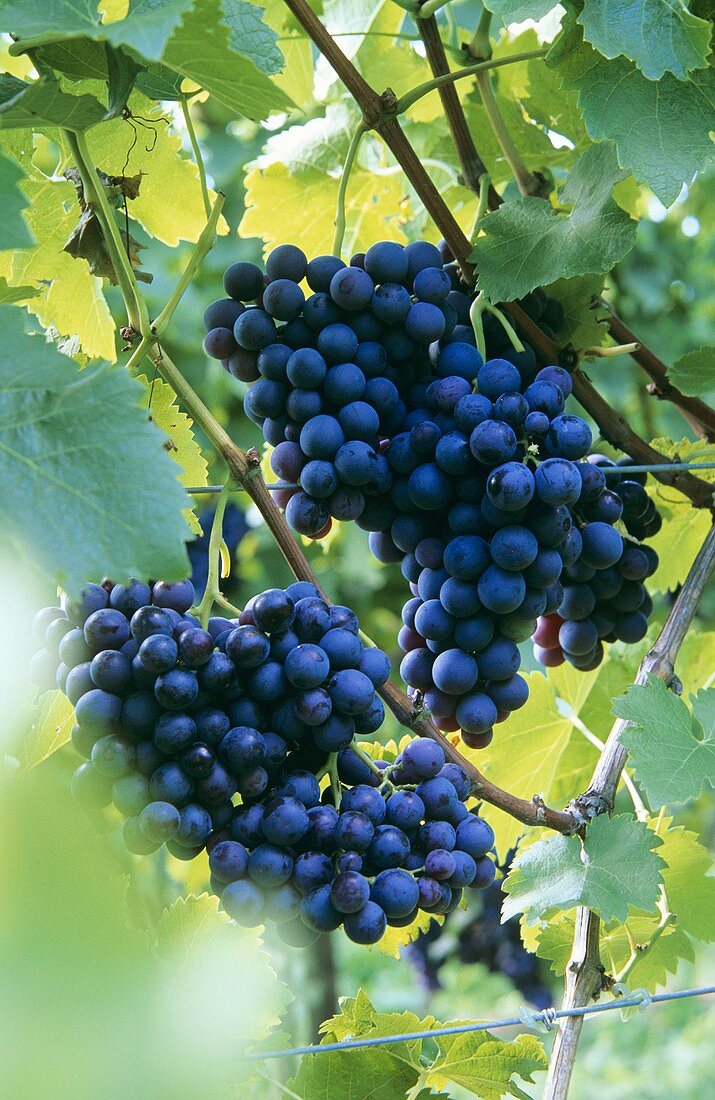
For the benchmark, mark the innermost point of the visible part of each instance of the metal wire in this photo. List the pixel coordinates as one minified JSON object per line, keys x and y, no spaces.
{"x":609,"y":471}
{"x":640,"y":1000}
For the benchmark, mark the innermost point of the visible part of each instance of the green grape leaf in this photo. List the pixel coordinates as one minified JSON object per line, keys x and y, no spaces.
{"x":533,"y":144}
{"x":396,"y":938}
{"x":70,"y":298}
{"x":42,"y":104}
{"x":169,"y":204}
{"x":12,"y":294}
{"x":660,"y":36}
{"x":201,"y":49}
{"x":661,"y":128}
{"x":516,"y":11}
{"x":526,"y":757}
{"x":199,"y":942}
{"x":122,"y":72}
{"x":251,"y":37}
{"x":85,"y":493}
{"x":297,"y":178}
{"x":370,"y":1073}
{"x":690,"y":893}
{"x":51,"y":721}
{"x":160,"y":400}
{"x":526,"y":244}
{"x":14,"y":232}
{"x":579,"y":298}
{"x":673,"y":755}
{"x":146,"y":28}
{"x":484,"y":1065}
{"x":160,"y":82}
{"x":694,"y":373}
{"x":613,"y":868}
{"x":554,"y":105}
{"x":684,"y":527}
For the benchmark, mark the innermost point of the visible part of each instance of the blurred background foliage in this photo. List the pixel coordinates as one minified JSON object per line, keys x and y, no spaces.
{"x":84,"y":979}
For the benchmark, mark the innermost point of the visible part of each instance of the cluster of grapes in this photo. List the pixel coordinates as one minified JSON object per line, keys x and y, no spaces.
{"x":468,"y":473}
{"x":174,"y":721}
{"x":388,"y":842}
{"x":604,"y":597}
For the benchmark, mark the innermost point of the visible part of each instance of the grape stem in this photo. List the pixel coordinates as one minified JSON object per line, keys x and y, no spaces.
{"x":478,"y":308}
{"x":584,"y":973}
{"x":480,"y":47}
{"x":478,"y":69}
{"x":202,"y":248}
{"x":212,"y":590}
{"x":340,"y":214}
{"x":335,"y":786}
{"x":198,"y":156}
{"x":609,"y":352}
{"x":368,"y":760}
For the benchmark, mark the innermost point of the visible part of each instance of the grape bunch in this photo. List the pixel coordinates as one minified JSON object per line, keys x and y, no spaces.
{"x":385,"y":845}
{"x":469,"y":474}
{"x":604,"y":597}
{"x":218,"y":738}
{"x":174,"y":720}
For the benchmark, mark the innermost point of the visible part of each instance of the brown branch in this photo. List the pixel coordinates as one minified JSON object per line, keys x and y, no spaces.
{"x":585,"y":974}
{"x":471,"y":163}
{"x":700,"y":416}
{"x":532,"y":812}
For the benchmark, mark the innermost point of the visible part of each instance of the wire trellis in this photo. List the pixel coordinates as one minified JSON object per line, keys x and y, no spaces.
{"x":543,"y":1020}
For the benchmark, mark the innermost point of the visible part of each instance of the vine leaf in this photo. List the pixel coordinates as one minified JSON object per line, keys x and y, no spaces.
{"x":673,"y":750}
{"x":200,"y":948}
{"x":14,"y":232}
{"x":526,"y":244}
{"x":68,"y":297}
{"x":486,"y":1066}
{"x":87,"y":487}
{"x":694,"y":373}
{"x":478,"y":1061}
{"x":168,"y":205}
{"x":579,"y":297}
{"x":160,"y":400}
{"x":690,"y":891}
{"x":50,"y":726}
{"x":250,"y":36}
{"x":201,"y":49}
{"x":660,"y":36}
{"x":526,"y":758}
{"x":516,"y":11}
{"x":614,"y":867}
{"x":684,"y":527}
{"x":661,"y":128}
{"x":147,"y":26}
{"x":42,"y":105}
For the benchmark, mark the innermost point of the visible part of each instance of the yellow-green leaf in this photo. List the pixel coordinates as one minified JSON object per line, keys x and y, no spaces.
{"x":169,"y":204}
{"x":525,"y":757}
{"x":50,"y":729}
{"x":684,"y":527}
{"x":70,"y":298}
